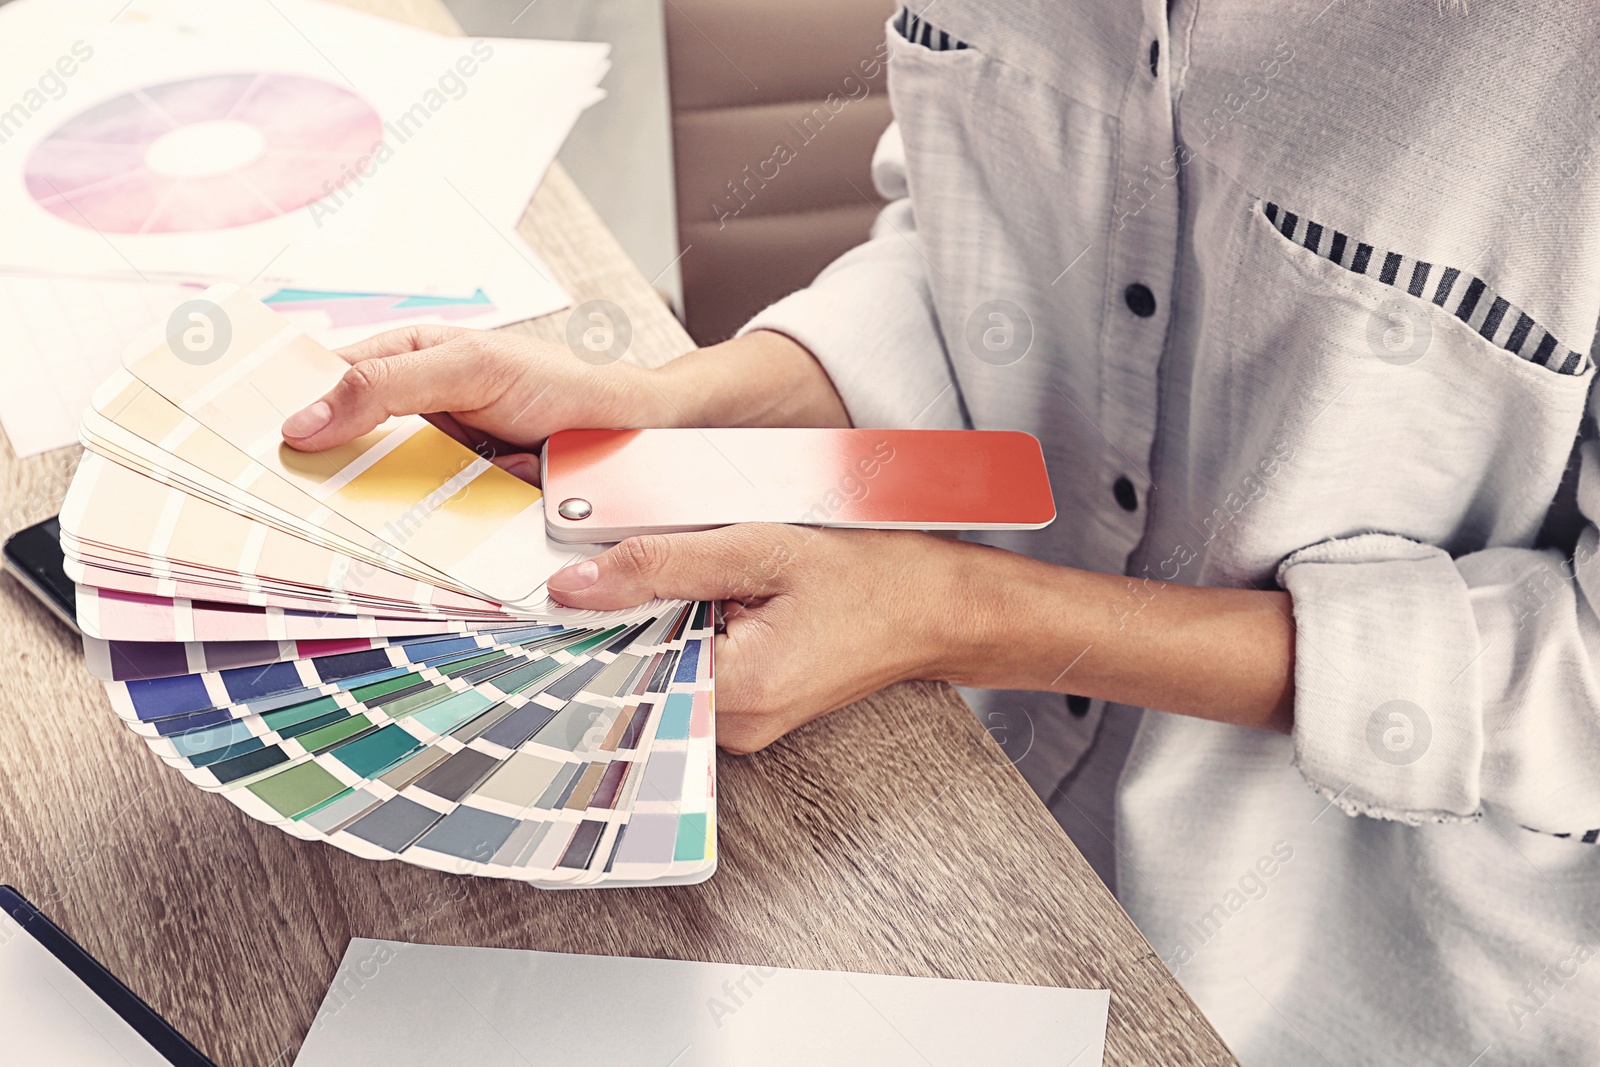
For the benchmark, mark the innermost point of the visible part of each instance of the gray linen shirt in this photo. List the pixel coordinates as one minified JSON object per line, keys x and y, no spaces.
{"x":1297,"y":298}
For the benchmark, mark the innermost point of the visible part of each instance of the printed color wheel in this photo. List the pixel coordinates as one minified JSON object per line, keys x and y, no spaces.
{"x":206,"y":153}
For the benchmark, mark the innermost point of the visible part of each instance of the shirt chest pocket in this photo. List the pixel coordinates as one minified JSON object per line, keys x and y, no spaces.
{"x":1409,"y":397}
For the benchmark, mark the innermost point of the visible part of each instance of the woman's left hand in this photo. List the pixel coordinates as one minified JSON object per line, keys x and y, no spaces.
{"x":816,"y":618}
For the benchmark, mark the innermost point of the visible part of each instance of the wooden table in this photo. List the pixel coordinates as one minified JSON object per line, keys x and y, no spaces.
{"x":892,"y":836}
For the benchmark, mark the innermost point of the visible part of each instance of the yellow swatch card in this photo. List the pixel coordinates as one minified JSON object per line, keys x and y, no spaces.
{"x":240,"y":369}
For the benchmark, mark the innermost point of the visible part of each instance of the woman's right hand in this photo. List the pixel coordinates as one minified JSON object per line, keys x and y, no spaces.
{"x":492,"y":390}
{"x":503,"y":394}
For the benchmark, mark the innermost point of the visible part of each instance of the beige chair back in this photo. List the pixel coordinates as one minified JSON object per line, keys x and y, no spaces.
{"x":773,"y":126}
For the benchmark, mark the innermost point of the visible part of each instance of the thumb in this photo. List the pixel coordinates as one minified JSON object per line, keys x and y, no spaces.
{"x":524,"y":465}
{"x":455,"y":376}
{"x":734,"y":563}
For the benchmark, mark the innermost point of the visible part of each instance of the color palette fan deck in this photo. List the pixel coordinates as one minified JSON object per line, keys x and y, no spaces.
{"x":356,"y":645}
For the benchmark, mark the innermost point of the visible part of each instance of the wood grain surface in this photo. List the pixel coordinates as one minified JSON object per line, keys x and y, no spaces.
{"x":892,"y":836}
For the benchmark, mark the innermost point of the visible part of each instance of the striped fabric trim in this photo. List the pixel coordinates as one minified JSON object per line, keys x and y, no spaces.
{"x":918,"y":31}
{"x":1469,"y":299}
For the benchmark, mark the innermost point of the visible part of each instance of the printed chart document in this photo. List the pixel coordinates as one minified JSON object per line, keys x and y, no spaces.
{"x":401,"y":1005}
{"x":353,"y":172}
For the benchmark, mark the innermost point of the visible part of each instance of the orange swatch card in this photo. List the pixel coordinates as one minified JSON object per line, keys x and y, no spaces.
{"x":603,"y":485}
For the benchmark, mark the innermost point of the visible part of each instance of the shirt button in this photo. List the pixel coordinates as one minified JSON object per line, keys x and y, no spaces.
{"x":1078,"y":706}
{"x":1123,"y":490}
{"x":1141,"y":301}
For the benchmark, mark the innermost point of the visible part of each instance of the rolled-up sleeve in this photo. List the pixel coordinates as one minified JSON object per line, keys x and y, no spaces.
{"x":869,"y":318}
{"x":1429,"y":688}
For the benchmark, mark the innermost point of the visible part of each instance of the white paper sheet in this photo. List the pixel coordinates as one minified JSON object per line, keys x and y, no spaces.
{"x":400,"y":1005}
{"x":47,"y":1014}
{"x":448,"y":225}
{"x":62,"y":336}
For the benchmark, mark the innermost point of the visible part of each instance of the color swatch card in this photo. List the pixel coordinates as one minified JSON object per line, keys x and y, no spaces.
{"x":560,"y":756}
{"x":355,"y":645}
{"x":613,"y":484}
{"x":239,"y":369}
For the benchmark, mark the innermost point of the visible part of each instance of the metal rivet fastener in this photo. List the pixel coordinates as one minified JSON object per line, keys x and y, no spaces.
{"x":575,"y":508}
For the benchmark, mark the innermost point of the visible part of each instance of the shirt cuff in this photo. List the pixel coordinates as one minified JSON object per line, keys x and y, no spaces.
{"x":1387,"y":711}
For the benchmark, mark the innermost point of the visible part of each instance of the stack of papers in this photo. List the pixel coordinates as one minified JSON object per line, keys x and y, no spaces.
{"x":355,"y":173}
{"x":356,"y":644}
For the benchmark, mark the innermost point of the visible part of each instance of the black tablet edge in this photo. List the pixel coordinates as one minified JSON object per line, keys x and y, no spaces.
{"x":144,"y":1019}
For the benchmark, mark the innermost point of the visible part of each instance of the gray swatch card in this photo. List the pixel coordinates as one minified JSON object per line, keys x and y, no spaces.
{"x":402,"y":1005}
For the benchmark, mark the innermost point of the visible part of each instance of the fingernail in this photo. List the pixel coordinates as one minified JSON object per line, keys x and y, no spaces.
{"x":308,"y":421}
{"x":579,"y":576}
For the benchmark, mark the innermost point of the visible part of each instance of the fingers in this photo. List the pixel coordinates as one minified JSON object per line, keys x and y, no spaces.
{"x":524,"y":465}
{"x":740,"y":562}
{"x":761,"y":695}
{"x":395,"y":342}
{"x":456,"y":376}
{"x":742,"y":730}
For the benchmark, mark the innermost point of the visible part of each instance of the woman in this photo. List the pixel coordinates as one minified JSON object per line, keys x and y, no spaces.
{"x":1299,"y":304}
